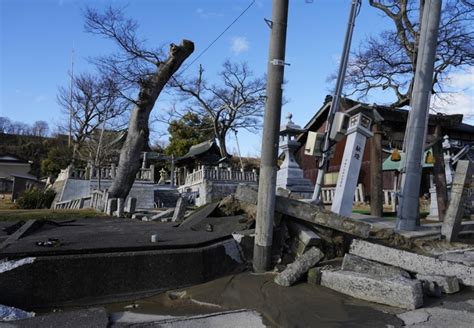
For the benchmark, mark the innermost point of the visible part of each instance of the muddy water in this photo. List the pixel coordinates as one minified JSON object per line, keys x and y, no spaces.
{"x":302,"y":305}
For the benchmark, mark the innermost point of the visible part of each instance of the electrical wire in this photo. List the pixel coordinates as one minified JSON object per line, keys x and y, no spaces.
{"x":220,"y":35}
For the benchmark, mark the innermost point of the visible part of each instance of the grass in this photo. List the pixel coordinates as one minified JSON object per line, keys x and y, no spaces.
{"x":47,"y":214}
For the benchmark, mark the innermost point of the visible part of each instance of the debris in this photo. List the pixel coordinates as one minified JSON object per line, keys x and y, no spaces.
{"x":466,"y":258}
{"x":431,"y":288}
{"x":154,"y":238}
{"x":438,"y":317}
{"x":308,"y":212}
{"x":314,"y":276}
{"x":399,"y":292}
{"x":304,"y":238}
{"x":448,"y":285}
{"x":299,"y":267}
{"x":179,"y":211}
{"x":209,"y":227}
{"x":138,"y":216}
{"x":51,"y":242}
{"x":199,"y":215}
{"x":17,"y":234}
{"x":412,"y":262}
{"x":455,"y":211}
{"x":9,"y":313}
{"x":162,"y":215}
{"x":359,"y":264}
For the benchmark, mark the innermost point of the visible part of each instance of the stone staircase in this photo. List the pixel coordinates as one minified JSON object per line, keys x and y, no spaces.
{"x":166,"y":197}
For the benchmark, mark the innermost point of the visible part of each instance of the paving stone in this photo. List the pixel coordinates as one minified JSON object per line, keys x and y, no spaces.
{"x":412,"y":262}
{"x":400,"y":292}
{"x":299,"y":267}
{"x":359,"y":264}
{"x":448,"y":285}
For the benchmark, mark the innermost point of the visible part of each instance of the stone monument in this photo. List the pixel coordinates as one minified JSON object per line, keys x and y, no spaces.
{"x":290,"y":175}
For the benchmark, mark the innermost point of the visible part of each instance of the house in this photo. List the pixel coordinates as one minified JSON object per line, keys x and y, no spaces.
{"x":15,"y":175}
{"x":393,"y":131}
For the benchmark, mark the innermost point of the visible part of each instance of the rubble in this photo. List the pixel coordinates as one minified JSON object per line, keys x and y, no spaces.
{"x":308,"y":212}
{"x":9,"y":313}
{"x":399,"y":291}
{"x":359,"y":264}
{"x":199,"y":215}
{"x":412,"y":262}
{"x":303,"y":239}
{"x":162,"y":215}
{"x":179,"y":211}
{"x":448,"y":285}
{"x":299,"y":267}
{"x":459,"y":315}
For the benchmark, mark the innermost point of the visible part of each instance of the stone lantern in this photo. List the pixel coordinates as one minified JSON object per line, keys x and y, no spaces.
{"x":290,"y":175}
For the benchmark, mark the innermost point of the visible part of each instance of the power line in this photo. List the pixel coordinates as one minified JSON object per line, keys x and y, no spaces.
{"x":219,"y":36}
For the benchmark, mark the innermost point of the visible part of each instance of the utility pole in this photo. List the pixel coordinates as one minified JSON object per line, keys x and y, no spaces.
{"x":69,"y":140}
{"x":268,"y":164}
{"x":335,"y":101}
{"x":408,"y":213}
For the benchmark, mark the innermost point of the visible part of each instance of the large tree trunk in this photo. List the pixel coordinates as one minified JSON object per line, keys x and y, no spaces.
{"x":222,"y":146}
{"x":138,"y":131}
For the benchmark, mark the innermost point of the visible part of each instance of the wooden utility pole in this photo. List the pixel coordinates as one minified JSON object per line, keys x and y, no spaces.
{"x":376,"y":177}
{"x":271,"y":126}
{"x":439,"y":172}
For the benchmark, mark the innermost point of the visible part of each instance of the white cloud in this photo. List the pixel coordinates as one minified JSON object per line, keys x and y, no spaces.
{"x":239,"y":44}
{"x":41,"y":98}
{"x":460,"y":98}
{"x":207,"y":14}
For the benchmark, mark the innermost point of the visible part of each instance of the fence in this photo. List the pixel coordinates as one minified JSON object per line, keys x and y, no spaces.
{"x":220,"y":174}
{"x":104,"y":173}
{"x":327,"y":194}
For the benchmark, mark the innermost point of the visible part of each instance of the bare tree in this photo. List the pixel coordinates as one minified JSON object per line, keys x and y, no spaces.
{"x":5,"y":125}
{"x":20,"y":128}
{"x":388,"y":61}
{"x":92,"y":101}
{"x":40,"y":128}
{"x":236,"y":103}
{"x":134,"y":68}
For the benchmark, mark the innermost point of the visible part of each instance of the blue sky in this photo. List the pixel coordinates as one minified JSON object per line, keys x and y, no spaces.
{"x":37,"y":37}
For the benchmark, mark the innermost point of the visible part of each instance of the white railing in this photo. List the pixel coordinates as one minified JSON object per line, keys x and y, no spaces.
{"x":98,"y":200}
{"x":390,"y":199}
{"x":104,"y":173}
{"x":220,"y":174}
{"x":74,"y":203}
{"x":327,"y":194}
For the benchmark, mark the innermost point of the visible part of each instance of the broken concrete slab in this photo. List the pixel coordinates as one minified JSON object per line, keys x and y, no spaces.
{"x":305,"y":237}
{"x":400,"y":292}
{"x":162,"y":215}
{"x":412,"y":262}
{"x":299,"y":267}
{"x":437,"y":317}
{"x":358,"y":264}
{"x":448,"y":285}
{"x":466,"y":258}
{"x":180,"y":210}
{"x":199,"y":215}
{"x":459,"y":189}
{"x":309,"y":213}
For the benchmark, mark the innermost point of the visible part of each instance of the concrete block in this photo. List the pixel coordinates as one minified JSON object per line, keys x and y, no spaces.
{"x":359,"y":264}
{"x":299,"y":267}
{"x":138,"y":216}
{"x":314,"y":276}
{"x":304,"y":238}
{"x":463,"y":257}
{"x":179,"y":211}
{"x":448,"y":285}
{"x":412,"y":262}
{"x":399,"y":292}
{"x":131,"y":205}
{"x":120,"y":207}
{"x":163,"y":215}
{"x":111,"y":206}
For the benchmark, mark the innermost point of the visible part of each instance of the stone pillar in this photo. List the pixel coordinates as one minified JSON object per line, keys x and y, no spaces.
{"x":376,"y":175}
{"x":120,"y":206}
{"x":440,"y":183}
